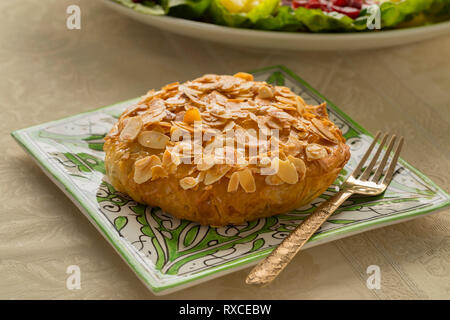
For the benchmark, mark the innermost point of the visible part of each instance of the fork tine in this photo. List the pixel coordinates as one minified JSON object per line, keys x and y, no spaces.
{"x":361,"y":163}
{"x":390,"y":173}
{"x":380,"y":169}
{"x":368,"y":171}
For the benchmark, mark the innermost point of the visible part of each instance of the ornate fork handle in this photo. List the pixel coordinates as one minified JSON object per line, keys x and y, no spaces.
{"x":269,"y":268}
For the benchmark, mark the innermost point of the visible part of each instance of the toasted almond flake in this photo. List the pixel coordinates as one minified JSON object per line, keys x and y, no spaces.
{"x":244,"y":87}
{"x":272,"y":123}
{"x":206,"y":163}
{"x":164,"y":124}
{"x":299,"y":165}
{"x":285,"y":107}
{"x":175,"y":159}
{"x":224,"y":115}
{"x":233,"y":184}
{"x":264,"y":92}
{"x":273,"y":180}
{"x":201,"y":176}
{"x":262,"y":126}
{"x":255,"y":170}
{"x":188,"y":183}
{"x":294,"y":145}
{"x":285,"y":92}
{"x":287,"y":172}
{"x":324,"y":130}
{"x":141,"y":176}
{"x":114,"y":130}
{"x":244,"y":75}
{"x":265,"y":162}
{"x":154,"y":160}
{"x":167,"y":158}
{"x":151,"y":118}
{"x":315,"y":151}
{"x":192,"y":94}
{"x":183,"y":125}
{"x":153,"y":139}
{"x":149,"y":96}
{"x":187,"y":88}
{"x":300,"y":104}
{"x":253,"y":160}
{"x":215,"y":174}
{"x":131,"y":129}
{"x":192,"y":115}
{"x":246,"y":180}
{"x":228,"y":83}
{"x":175,"y":101}
{"x":230,"y":125}
{"x":159,"y":172}
{"x":215,"y":123}
{"x":134,"y":109}
{"x":171,"y":86}
{"x":176,"y":133}
{"x":286,"y":100}
{"x":142,"y":168}
{"x":171,"y":168}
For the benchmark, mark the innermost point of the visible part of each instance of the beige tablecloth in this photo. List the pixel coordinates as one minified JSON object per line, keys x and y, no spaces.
{"x":49,"y":72}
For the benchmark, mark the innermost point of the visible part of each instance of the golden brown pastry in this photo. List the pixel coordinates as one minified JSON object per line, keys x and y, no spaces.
{"x":224,"y":149}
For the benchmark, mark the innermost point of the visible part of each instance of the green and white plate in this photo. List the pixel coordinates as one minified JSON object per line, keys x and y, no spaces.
{"x":169,"y":254}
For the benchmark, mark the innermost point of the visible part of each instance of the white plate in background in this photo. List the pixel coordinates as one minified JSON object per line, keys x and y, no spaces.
{"x":286,"y":40}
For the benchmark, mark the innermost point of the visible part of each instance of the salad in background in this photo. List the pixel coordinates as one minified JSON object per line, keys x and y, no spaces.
{"x":300,"y":15}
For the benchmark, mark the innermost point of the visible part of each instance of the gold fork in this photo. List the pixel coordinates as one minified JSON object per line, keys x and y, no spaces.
{"x":359,"y":182}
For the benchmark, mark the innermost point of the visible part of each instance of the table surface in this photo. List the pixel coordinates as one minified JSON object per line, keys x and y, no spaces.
{"x":49,"y":72}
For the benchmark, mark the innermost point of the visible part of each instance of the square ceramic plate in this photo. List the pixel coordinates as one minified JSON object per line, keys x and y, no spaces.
{"x":169,"y":254}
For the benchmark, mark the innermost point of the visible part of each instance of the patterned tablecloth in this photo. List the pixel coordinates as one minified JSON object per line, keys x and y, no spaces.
{"x":50,"y":72}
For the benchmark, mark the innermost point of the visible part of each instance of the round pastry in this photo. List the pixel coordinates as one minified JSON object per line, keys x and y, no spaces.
{"x":224,"y":149}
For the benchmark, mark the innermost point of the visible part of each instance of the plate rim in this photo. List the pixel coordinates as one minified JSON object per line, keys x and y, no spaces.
{"x":22,"y":138}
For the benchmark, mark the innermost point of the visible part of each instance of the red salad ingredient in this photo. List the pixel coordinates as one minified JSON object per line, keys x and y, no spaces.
{"x":351,"y":8}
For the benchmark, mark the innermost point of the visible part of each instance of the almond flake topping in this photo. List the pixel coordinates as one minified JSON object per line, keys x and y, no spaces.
{"x":299,"y":165}
{"x":244,"y":75}
{"x":287,"y":171}
{"x":215,"y":174}
{"x":315,"y":151}
{"x":132,"y":129}
{"x":188,"y":183}
{"x":159,"y":172}
{"x":153,"y":139}
{"x":273,"y":180}
{"x":238,"y":115}
{"x":206,"y":163}
{"x":264,"y":92}
{"x":247,"y":181}
{"x":143,"y":168}
{"x":233,"y":184}
{"x":324,"y":130}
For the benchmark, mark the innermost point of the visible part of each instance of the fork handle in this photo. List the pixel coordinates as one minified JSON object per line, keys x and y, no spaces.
{"x":269,"y":268}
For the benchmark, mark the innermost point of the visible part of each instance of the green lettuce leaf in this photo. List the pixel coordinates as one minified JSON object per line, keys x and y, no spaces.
{"x":146,"y":7}
{"x":188,"y":9}
{"x":221,"y":15}
{"x":393,"y":14}
{"x":283,"y":20}
{"x":318,"y":21}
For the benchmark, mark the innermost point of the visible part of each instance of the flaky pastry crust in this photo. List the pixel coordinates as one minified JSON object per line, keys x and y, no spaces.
{"x":146,"y":159}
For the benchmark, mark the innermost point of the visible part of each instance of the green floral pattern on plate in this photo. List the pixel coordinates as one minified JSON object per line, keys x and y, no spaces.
{"x":168,"y":253}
